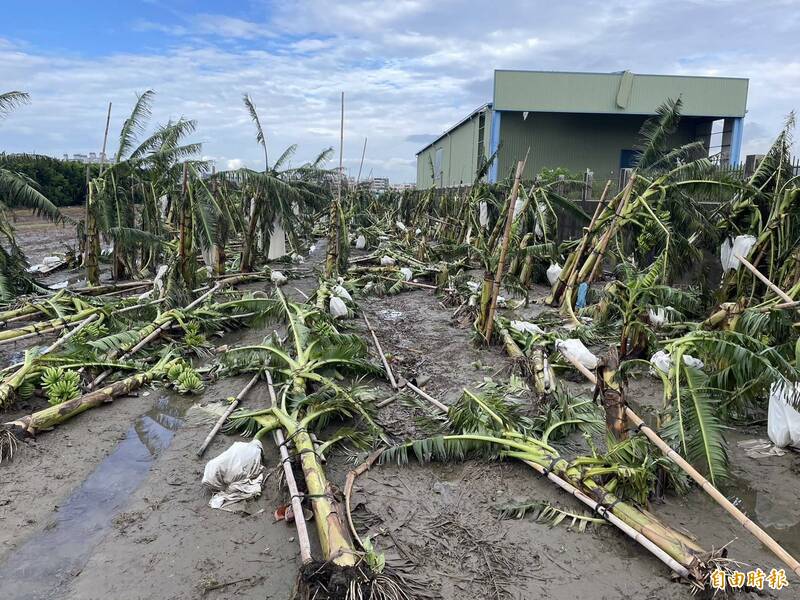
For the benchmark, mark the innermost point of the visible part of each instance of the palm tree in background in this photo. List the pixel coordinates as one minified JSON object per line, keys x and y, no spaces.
{"x":17,"y":189}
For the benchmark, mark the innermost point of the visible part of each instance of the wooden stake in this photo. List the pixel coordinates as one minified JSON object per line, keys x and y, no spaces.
{"x":386,"y":366}
{"x":221,"y":421}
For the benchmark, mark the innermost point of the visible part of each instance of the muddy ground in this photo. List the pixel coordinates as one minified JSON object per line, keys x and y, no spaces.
{"x":110,"y":504}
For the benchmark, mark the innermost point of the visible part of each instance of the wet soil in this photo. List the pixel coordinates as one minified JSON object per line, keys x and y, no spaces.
{"x":110,"y":505}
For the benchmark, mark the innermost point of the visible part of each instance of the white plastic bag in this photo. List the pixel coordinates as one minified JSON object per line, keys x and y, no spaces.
{"x":526,"y":327}
{"x":337,"y":307}
{"x":277,"y":241}
{"x":407,"y":273}
{"x":340,"y":291}
{"x":387,"y":261}
{"x":662,"y":361}
{"x":553,"y":271}
{"x":473,"y":286}
{"x":278,"y":278}
{"x":783,"y":421}
{"x":483,"y":214}
{"x":361,"y":242}
{"x":51,"y":261}
{"x":657,"y":317}
{"x":400,"y":225}
{"x":235,"y":475}
{"x":728,"y":251}
{"x":578,"y":351}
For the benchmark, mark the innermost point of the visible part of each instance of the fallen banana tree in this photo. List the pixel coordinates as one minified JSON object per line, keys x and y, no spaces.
{"x":706,"y":485}
{"x":482,"y":425}
{"x":307,"y":399}
{"x":12,"y":382}
{"x":174,"y":370}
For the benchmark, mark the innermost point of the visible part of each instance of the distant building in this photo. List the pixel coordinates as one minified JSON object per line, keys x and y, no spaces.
{"x":379,"y":185}
{"x":89,"y":159}
{"x":580,"y":121}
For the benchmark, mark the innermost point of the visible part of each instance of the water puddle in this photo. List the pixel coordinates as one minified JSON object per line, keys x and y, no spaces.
{"x":41,"y":568}
{"x":390,"y":315}
{"x":780,"y":518}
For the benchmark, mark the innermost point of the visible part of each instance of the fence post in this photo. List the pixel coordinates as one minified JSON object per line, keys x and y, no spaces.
{"x":588,"y":182}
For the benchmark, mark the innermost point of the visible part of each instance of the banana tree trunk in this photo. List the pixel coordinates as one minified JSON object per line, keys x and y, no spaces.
{"x":44,"y":327}
{"x":92,"y":257}
{"x":333,"y":535}
{"x":53,"y":416}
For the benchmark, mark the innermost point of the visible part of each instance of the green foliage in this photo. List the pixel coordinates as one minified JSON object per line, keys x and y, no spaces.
{"x":544,"y":512}
{"x":550,"y":175}
{"x":63,"y":182}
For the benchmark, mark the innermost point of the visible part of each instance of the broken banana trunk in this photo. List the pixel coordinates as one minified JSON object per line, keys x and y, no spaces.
{"x":611,"y":394}
{"x":53,"y":416}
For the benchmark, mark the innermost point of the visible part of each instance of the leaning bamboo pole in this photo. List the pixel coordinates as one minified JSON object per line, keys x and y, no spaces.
{"x":151,"y":332}
{"x":386,"y":366}
{"x":706,"y":485}
{"x":498,"y":277}
{"x":672,"y":548}
{"x":573,"y":277}
{"x":224,"y":416}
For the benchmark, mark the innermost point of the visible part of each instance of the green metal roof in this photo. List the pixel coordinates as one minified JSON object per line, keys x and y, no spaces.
{"x":617,"y":93}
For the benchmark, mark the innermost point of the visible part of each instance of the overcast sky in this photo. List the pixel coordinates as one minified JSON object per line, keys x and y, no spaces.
{"x":409,"y":68}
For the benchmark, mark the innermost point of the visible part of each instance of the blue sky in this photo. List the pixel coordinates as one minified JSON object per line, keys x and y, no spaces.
{"x":409,"y":68}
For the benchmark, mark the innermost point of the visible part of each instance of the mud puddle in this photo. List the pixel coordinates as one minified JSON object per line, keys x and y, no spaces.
{"x":780,"y":519}
{"x":42,"y":566}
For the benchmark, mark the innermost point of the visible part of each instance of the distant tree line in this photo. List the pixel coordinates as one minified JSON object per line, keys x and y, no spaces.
{"x":63,"y":182}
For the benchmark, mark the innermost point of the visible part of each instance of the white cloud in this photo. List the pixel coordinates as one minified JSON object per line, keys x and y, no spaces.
{"x":410,"y":68}
{"x":234,"y":163}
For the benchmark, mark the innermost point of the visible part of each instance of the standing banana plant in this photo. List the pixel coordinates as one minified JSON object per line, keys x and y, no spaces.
{"x":277,"y":198}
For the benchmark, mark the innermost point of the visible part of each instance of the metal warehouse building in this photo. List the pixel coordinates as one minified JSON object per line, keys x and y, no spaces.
{"x":581,"y":121}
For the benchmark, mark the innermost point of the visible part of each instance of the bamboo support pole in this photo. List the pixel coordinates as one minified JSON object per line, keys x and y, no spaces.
{"x":297,"y":500}
{"x":598,"y":253}
{"x":428,"y":397}
{"x":221,"y":421}
{"x":386,"y":366}
{"x":573,"y":276}
{"x":783,"y":295}
{"x":660,"y":554}
{"x":706,"y":485}
{"x":498,"y":278}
